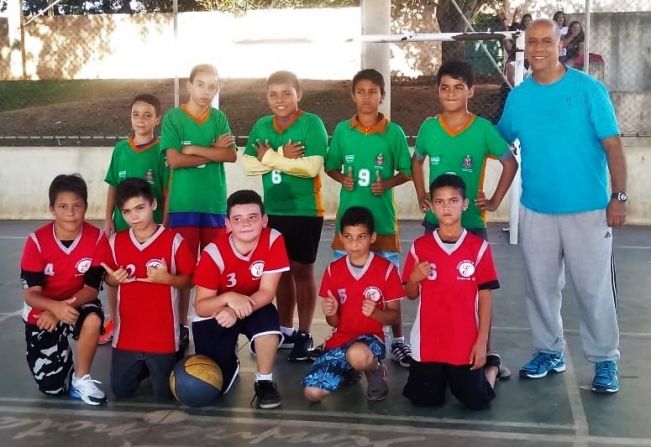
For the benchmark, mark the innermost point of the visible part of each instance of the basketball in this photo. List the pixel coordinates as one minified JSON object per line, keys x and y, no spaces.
{"x":196,"y":381}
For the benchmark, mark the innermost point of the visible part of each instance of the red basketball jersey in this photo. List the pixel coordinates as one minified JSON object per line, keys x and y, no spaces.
{"x":446,"y":325}
{"x":63,"y":267}
{"x":148,"y":312}
{"x":378,"y":281}
{"x":224,"y":269}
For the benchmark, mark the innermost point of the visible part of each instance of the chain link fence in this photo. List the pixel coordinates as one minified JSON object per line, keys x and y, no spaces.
{"x":71,"y":79}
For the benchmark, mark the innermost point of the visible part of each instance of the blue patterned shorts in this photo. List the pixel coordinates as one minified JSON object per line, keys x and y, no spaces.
{"x":328,"y":370}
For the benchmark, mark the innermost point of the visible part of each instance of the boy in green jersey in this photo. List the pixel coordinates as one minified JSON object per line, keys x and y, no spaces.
{"x":288,"y":148}
{"x":369,"y":156}
{"x":460,"y":142}
{"x":197,"y":141}
{"x":139,"y":156}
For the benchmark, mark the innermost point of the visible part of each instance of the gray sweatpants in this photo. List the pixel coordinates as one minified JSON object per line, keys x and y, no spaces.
{"x":582,"y":244}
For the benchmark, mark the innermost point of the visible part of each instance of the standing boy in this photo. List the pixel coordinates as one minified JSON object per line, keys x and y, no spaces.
{"x":139,"y":156}
{"x":460,"y":142}
{"x":452,"y":271}
{"x":197,"y":140}
{"x":61,"y":277}
{"x":288,"y":148}
{"x":148,"y":264}
{"x":361,"y":293}
{"x":368,"y":155}
{"x":236,"y":281}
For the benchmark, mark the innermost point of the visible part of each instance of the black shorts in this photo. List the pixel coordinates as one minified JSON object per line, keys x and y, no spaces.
{"x":302,"y":236}
{"x":219,"y":343}
{"x":427,"y":383}
{"x":481,"y":232}
{"x":49,"y":356}
{"x":129,"y":368}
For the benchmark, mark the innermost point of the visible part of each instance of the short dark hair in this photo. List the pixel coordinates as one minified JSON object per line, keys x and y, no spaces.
{"x":133,"y":187}
{"x":281,"y":77}
{"x":244,"y":197}
{"x":149,"y":99}
{"x":448,"y":181}
{"x":73,"y":183}
{"x":203,"y":68}
{"x":457,"y":70}
{"x":369,"y":74}
{"x":357,"y":215}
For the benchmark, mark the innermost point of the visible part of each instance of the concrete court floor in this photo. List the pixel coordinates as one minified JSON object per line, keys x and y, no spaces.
{"x":555,"y":411}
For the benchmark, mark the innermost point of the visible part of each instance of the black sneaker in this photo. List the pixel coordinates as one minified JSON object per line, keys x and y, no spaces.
{"x":288,"y":341}
{"x":184,"y":341}
{"x":302,"y":345}
{"x":266,"y":395}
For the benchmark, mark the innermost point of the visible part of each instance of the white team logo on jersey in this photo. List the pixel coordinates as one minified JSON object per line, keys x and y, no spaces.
{"x":343,"y":296}
{"x":466,"y":268}
{"x":83,"y":265}
{"x":257,"y":268}
{"x":154,"y":263}
{"x":349,"y":158}
{"x":373,"y":293}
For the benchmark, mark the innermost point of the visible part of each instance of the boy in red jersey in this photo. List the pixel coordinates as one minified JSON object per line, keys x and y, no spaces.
{"x":361,"y":293}
{"x":452,"y":271}
{"x":61,"y":277}
{"x":148,"y":263}
{"x":236,"y":278}
{"x":138,"y":156}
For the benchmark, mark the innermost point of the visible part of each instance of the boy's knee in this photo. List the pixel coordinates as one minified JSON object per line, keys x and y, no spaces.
{"x":314,"y":394}
{"x":92,"y":323}
{"x":360,"y":356}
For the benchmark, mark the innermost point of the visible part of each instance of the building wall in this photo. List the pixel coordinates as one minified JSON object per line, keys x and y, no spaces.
{"x":27,"y":199}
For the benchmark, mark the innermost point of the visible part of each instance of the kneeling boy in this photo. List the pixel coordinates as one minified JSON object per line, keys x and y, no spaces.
{"x":61,"y":276}
{"x":148,"y":263}
{"x":361,"y":293}
{"x":236,"y":281}
{"x":452,"y":271}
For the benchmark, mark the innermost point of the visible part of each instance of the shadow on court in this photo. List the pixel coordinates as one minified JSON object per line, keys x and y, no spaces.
{"x":557,"y":411}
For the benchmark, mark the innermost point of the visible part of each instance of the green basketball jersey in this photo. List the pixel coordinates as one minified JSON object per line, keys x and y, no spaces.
{"x":365,"y":154}
{"x":127,"y":161}
{"x":201,"y":189}
{"x":463,"y":153}
{"x":286,"y":194}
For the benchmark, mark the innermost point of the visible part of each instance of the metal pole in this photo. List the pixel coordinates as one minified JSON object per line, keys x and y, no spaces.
{"x":175,"y":9}
{"x":516,"y":187}
{"x":586,"y":43}
{"x":376,"y":18}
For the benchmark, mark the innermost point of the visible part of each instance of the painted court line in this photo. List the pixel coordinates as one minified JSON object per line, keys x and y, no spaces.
{"x":319,"y":414}
{"x":254,"y":422}
{"x":576,"y":404}
{"x":7,"y":315}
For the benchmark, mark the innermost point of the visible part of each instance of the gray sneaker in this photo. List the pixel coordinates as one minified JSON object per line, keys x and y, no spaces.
{"x":377,"y":389}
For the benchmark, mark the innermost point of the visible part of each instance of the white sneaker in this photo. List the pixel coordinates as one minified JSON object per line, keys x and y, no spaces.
{"x":84,"y":388}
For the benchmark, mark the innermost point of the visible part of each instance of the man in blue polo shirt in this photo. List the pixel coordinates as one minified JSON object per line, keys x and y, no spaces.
{"x":568,"y":132}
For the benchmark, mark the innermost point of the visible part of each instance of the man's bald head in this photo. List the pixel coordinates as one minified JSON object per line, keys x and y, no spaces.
{"x":545,"y":23}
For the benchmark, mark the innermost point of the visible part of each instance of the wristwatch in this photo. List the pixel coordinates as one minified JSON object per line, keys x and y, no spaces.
{"x":619,"y":196}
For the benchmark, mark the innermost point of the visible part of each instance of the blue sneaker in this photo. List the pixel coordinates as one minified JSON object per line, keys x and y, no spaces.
{"x":606,"y":379}
{"x":541,"y":364}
